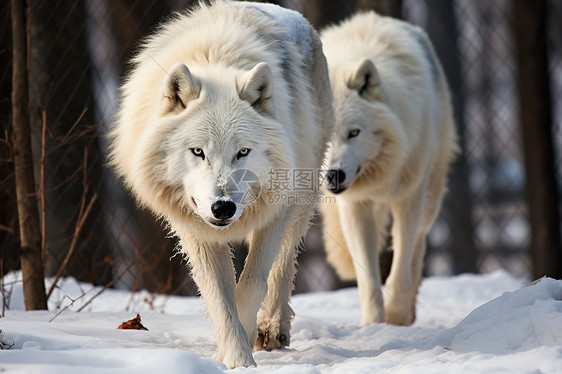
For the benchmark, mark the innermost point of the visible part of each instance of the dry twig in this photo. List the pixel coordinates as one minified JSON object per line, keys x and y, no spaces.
{"x":107,"y":286}
{"x":42,"y":186}
{"x":66,"y":137}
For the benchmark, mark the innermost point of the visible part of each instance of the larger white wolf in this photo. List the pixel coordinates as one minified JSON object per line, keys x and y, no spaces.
{"x":393,"y":143}
{"x":215,"y":100}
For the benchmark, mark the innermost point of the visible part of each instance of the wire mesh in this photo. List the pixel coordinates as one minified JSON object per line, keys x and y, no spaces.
{"x":78,"y":56}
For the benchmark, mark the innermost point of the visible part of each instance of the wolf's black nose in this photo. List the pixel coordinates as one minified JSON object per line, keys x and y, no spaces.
{"x":223,"y":209}
{"x":335,"y":177}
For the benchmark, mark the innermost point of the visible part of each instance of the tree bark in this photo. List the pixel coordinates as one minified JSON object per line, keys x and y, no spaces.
{"x":321,"y":13}
{"x":457,"y":206}
{"x":9,"y":233}
{"x":530,"y":19}
{"x":28,"y":214}
{"x":390,"y":8}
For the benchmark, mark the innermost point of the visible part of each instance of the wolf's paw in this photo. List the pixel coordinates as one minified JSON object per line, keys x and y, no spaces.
{"x":375,"y":316}
{"x":237,"y":358}
{"x":269,"y":339}
{"x":401,"y":314}
{"x":274,"y":329}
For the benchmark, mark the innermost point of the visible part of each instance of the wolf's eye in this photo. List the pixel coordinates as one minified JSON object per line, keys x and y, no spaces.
{"x":198,"y":152}
{"x":353,"y":133}
{"x":243,"y":153}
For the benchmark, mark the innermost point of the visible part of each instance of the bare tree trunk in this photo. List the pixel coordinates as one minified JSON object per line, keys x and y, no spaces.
{"x":457,"y":207}
{"x":9,"y":234}
{"x":395,"y":8}
{"x":322,"y":13}
{"x":391,"y":8}
{"x":28,"y":214}
{"x":536,"y":120}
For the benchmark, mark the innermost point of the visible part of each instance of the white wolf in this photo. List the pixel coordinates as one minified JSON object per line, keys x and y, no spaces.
{"x":226,"y":91}
{"x":391,"y":150}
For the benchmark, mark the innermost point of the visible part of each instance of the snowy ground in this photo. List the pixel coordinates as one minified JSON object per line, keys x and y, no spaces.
{"x":466,"y":324}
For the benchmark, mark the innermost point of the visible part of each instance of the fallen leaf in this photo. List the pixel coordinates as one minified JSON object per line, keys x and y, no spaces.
{"x":133,"y":324}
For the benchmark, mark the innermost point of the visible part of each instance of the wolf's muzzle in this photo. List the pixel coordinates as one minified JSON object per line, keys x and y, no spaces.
{"x":223,"y":210}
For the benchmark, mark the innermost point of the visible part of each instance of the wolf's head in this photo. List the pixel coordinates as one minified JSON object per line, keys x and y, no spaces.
{"x":367,"y":134}
{"x":215,"y":139}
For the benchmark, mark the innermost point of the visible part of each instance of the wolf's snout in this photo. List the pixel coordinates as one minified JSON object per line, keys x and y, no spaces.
{"x":223,"y":209}
{"x":335,"y":179}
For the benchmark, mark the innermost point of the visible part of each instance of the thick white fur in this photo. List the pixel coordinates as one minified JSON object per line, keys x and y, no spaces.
{"x":388,"y":83}
{"x":221,"y":78}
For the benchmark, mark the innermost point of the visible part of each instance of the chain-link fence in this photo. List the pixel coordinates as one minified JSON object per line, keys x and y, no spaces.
{"x":495,"y":176}
{"x":93,"y":231}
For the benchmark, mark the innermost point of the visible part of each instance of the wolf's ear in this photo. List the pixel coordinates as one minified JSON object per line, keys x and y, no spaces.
{"x":365,"y":79}
{"x":254,"y":86}
{"x":179,"y":87}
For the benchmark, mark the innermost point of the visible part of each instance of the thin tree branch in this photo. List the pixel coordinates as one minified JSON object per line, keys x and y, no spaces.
{"x":77,"y":231}
{"x":82,"y":215}
{"x":75,"y":124}
{"x":107,"y":286}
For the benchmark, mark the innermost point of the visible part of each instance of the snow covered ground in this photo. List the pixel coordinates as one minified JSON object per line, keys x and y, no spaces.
{"x":466,"y":324}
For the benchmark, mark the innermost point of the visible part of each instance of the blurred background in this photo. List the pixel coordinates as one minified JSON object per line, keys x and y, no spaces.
{"x":503,"y":59}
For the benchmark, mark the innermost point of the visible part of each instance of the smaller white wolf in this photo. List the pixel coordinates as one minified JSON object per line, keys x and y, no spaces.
{"x":390,"y":153}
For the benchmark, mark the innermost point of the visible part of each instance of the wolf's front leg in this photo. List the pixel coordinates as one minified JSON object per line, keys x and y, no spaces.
{"x":360,"y":232}
{"x":402,"y":283}
{"x":213,"y":273}
{"x":274,"y":319}
{"x":252,"y":287}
